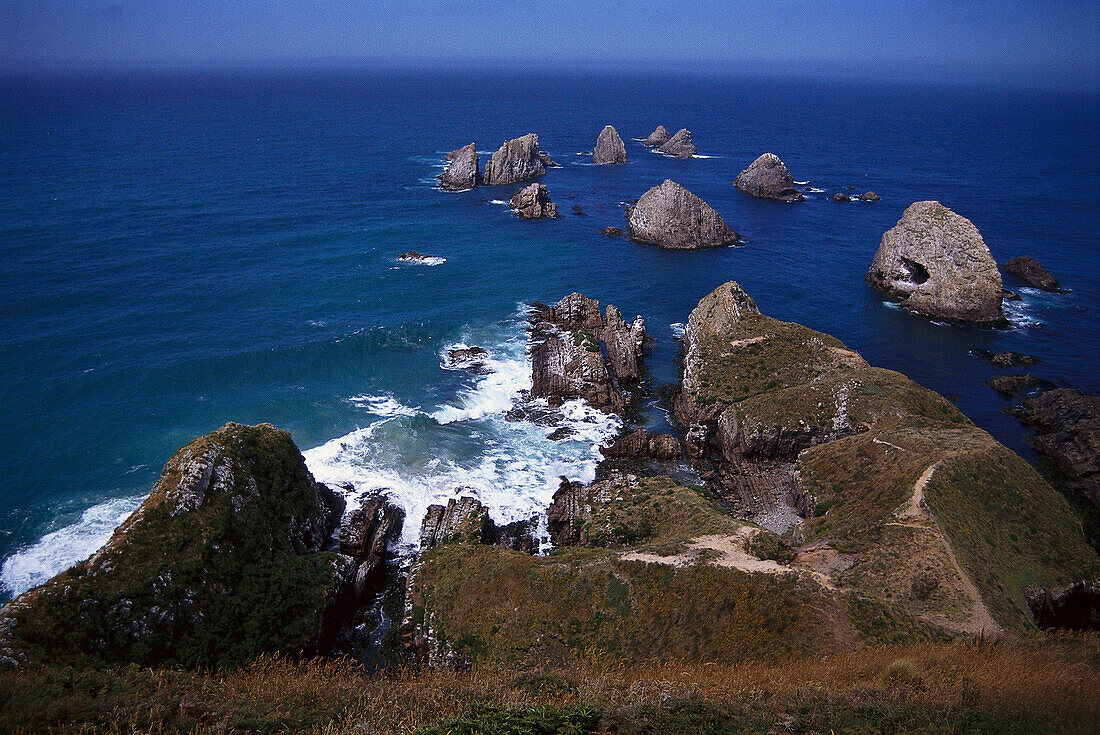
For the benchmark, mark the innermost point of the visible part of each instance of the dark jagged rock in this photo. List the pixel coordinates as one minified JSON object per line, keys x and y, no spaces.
{"x":532,"y":202}
{"x":567,"y":360}
{"x":768,"y":178}
{"x":1032,"y":272}
{"x":609,"y":147}
{"x":679,"y":145}
{"x":657,"y":138}
{"x":936,"y":264}
{"x":870,"y":197}
{"x":234,"y":516}
{"x":470,"y":358}
{"x":641,"y":445}
{"x":1067,"y":424}
{"x":612,"y":231}
{"x":462,"y":169}
{"x":366,"y":535}
{"x":567,"y":512}
{"x":1074,"y":607}
{"x":841,"y":197}
{"x":671,"y":216}
{"x":516,"y":160}
{"x":465,"y":519}
{"x":1010,"y":385}
{"x":547,"y":161}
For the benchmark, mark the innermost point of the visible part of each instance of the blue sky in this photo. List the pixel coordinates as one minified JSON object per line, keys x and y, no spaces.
{"x":1042,"y":42}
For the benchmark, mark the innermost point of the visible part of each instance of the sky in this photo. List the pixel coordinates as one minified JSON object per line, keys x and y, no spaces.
{"x":1055,"y":43}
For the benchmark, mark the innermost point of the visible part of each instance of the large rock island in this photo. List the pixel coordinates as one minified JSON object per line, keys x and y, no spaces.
{"x":671,"y":216}
{"x":768,"y":178}
{"x":516,"y":160}
{"x":609,"y":147}
{"x":461,"y":172}
{"x":935,"y":263}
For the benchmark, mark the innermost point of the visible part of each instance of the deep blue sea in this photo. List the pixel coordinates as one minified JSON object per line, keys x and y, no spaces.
{"x":178,"y":251}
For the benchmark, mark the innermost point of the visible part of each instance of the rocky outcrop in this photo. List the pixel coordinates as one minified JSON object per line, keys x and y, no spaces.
{"x":567,"y":357}
{"x":679,"y":145}
{"x":223,"y":561}
{"x":609,"y":147}
{"x":366,"y":535}
{"x":516,"y":160}
{"x":1067,"y":424}
{"x":464,"y":519}
{"x":935,"y":263}
{"x":841,"y":197}
{"x":547,"y":161}
{"x":466,"y":358}
{"x":870,"y":197}
{"x":672,"y":217}
{"x":641,"y":445}
{"x":768,"y":178}
{"x":1005,"y":359}
{"x":1032,"y":272}
{"x":1073,"y":607}
{"x":657,"y":138}
{"x":462,"y":169}
{"x":532,"y":202}
{"x":1010,"y":385}
{"x":612,"y":231}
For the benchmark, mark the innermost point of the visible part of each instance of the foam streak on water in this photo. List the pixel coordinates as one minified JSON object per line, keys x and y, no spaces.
{"x":60,"y":549}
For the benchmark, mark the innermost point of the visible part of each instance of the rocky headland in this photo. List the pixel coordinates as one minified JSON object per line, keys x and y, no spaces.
{"x":671,"y":216}
{"x":609,"y":147}
{"x":768,"y":178}
{"x":936,"y":264}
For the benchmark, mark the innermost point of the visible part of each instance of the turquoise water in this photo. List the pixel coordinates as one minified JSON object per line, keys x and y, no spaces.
{"x":181,"y":251}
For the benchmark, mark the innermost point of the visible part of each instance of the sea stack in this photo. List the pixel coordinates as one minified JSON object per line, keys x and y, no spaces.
{"x":532,"y":202}
{"x":671,"y":216}
{"x":768,"y":178}
{"x":657,"y":138}
{"x":679,"y":145}
{"x":609,"y":147}
{"x":516,"y":160}
{"x":935,"y":263}
{"x":461,"y":173}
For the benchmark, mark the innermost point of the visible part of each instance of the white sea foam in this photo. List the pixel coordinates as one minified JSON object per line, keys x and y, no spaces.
{"x":815,"y":190}
{"x":677,"y":329}
{"x":318,"y":323}
{"x":58,"y":550}
{"x":384,"y":405}
{"x":469,"y":447}
{"x":428,"y":260}
{"x":802,"y":183}
{"x":700,"y":155}
{"x":497,"y":201}
{"x":1020,"y":315}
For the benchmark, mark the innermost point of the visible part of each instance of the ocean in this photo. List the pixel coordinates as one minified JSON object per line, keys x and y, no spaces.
{"x":182,"y":250}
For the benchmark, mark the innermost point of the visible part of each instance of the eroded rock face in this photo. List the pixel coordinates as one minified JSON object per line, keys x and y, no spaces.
{"x":516,"y":160}
{"x":657,"y":138}
{"x":1067,"y":424}
{"x":463,"y":519}
{"x":935,"y":263}
{"x":609,"y":147}
{"x":242,"y":501}
{"x":768,"y":178}
{"x":366,"y":535}
{"x":679,"y":145}
{"x":532,"y":202}
{"x":641,"y":445}
{"x":672,"y":217}
{"x":567,"y":359}
{"x":1032,"y":272}
{"x":462,"y":169}
{"x":1074,"y":607}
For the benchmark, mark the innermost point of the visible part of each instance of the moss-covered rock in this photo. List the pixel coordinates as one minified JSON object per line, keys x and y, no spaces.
{"x":223,"y":561}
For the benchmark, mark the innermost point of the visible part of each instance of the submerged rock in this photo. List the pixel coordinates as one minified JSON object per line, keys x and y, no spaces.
{"x":657,"y":138}
{"x":461,"y":170}
{"x":935,"y":263}
{"x":470,"y":358}
{"x":679,"y":145}
{"x":768,"y":178}
{"x":1032,"y":272}
{"x":532,"y":202}
{"x":516,"y":160}
{"x":671,"y":216}
{"x":609,"y":147}
{"x":1008,"y":358}
{"x":612,"y":231}
{"x":1010,"y":385}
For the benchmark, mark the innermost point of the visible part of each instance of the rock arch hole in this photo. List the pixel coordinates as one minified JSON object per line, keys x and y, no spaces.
{"x":914,"y":271}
